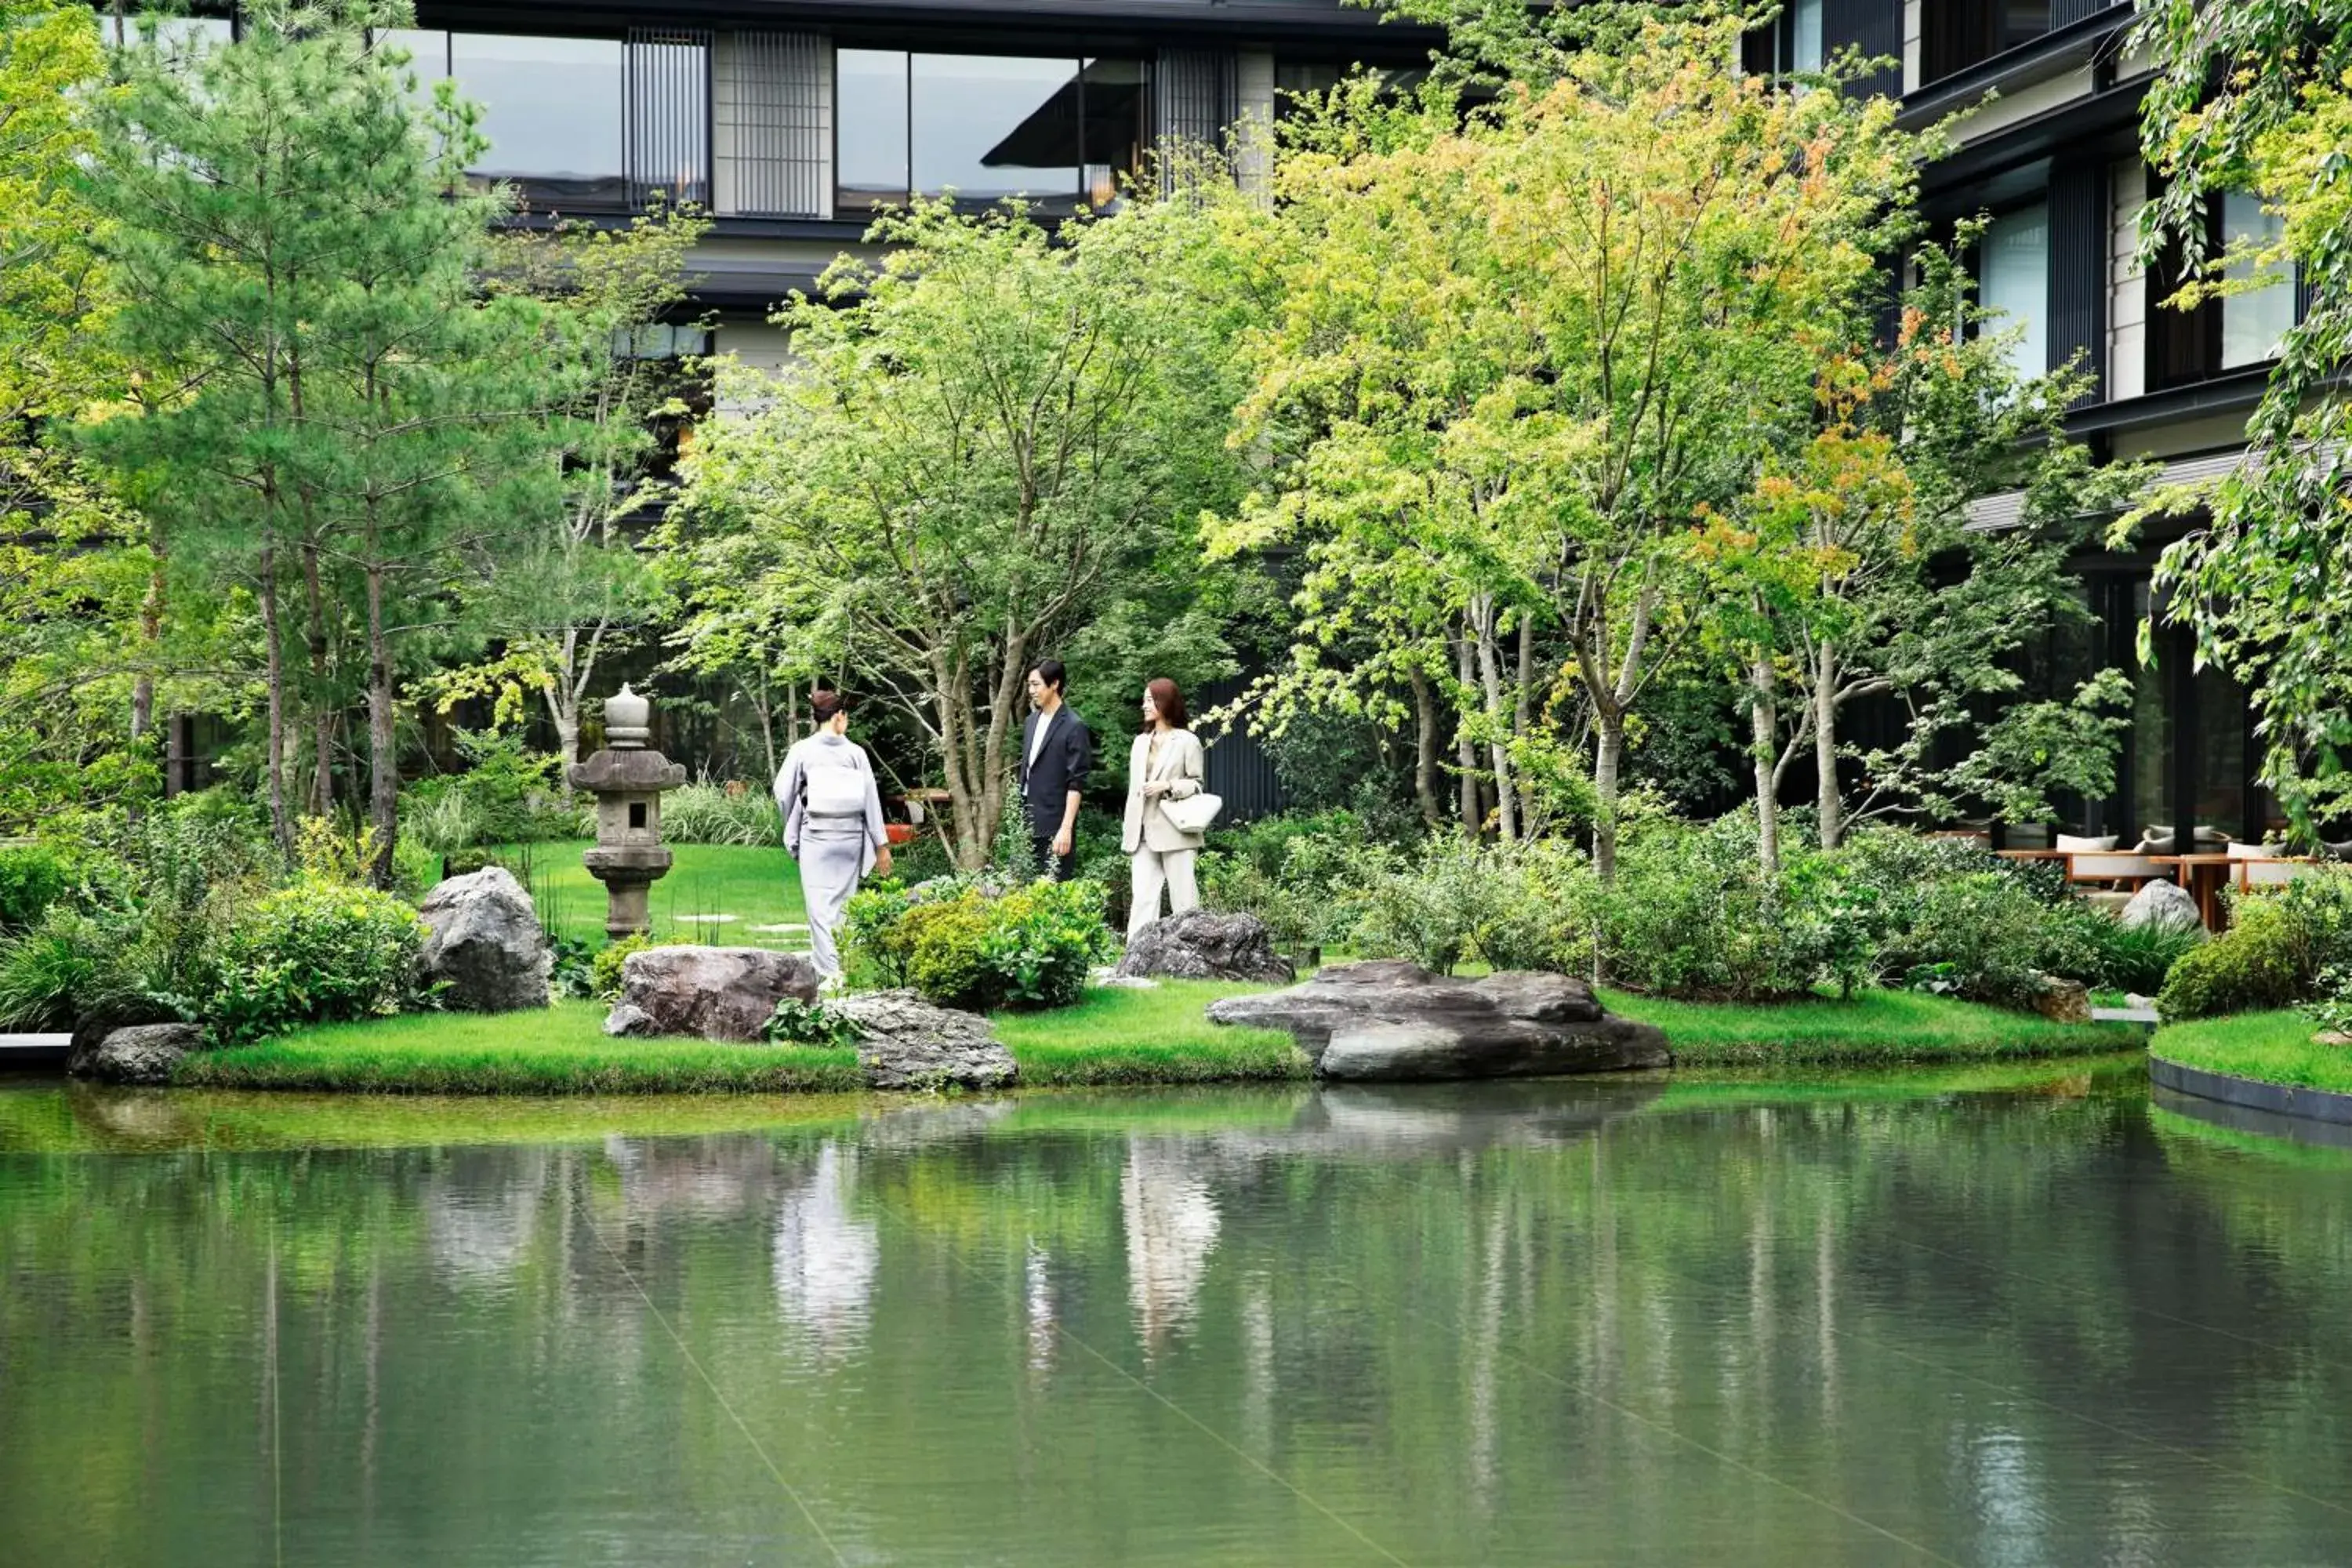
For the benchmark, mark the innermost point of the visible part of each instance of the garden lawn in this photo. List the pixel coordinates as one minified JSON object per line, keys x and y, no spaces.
{"x":2272,"y":1048}
{"x":755,"y":887}
{"x":1114,"y":1035}
{"x":1875,"y":1026}
{"x":563,"y":1050}
{"x":1117,"y":1034}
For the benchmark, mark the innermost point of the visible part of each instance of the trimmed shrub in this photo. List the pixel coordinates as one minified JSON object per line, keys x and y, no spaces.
{"x":1041,"y":941}
{"x":965,"y":943}
{"x":2280,"y":944}
{"x":2256,"y":964}
{"x":945,"y":958}
{"x":313,"y":952}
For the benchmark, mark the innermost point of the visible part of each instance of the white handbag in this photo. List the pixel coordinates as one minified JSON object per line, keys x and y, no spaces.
{"x":1194,"y":813}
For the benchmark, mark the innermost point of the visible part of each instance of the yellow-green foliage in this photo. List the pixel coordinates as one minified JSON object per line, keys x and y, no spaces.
{"x":2253,"y":965}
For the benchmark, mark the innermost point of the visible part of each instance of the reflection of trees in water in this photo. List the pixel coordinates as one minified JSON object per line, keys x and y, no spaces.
{"x":1424,"y":1301}
{"x":826,"y":1257}
{"x":1171,"y":1223}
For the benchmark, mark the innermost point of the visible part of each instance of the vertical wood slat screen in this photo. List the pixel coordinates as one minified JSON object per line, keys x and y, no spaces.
{"x":774,"y":116}
{"x":665,"y":115}
{"x":1195,"y":97}
{"x":2078,"y":267}
{"x":1874,"y":26}
{"x":2063,"y":12}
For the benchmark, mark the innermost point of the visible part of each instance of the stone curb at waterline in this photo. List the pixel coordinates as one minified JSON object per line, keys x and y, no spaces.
{"x":2253,"y":1094}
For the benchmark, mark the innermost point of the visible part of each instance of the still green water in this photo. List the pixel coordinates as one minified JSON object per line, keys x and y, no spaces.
{"x":2007,"y":1318}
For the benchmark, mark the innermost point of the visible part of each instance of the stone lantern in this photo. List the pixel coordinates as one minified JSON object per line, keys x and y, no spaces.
{"x":628,"y":781}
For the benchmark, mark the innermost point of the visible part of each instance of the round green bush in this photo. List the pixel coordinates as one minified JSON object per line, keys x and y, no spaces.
{"x":2256,"y":964}
{"x":947,"y":955}
{"x":314,"y":953}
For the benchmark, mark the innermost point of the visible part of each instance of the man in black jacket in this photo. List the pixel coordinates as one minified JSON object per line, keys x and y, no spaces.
{"x":1057,"y":754}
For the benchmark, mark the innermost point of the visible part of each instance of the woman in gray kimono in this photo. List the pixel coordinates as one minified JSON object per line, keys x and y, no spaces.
{"x":833,"y":823}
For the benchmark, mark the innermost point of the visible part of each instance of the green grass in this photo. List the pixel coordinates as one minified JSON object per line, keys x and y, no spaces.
{"x":2272,"y":1047}
{"x":1877,"y":1027}
{"x":1114,"y":1035}
{"x":1717,"y":1089}
{"x":1161,"y":1035}
{"x":560,"y":1051}
{"x":759,"y":887}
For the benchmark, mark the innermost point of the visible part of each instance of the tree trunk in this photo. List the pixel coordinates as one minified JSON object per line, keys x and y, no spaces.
{"x":323,"y":713}
{"x":1831,"y":805}
{"x":1424,"y":749}
{"x":1498,"y":754}
{"x":1466,"y":750}
{"x":279,"y":828}
{"x":1609,"y":728}
{"x":384,"y":761}
{"x":1523,"y":715}
{"x":1763,"y":738}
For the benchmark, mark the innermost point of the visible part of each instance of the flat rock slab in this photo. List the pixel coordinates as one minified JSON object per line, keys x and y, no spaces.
{"x":1204,"y":944}
{"x":908,"y":1043}
{"x":1392,"y":1022}
{"x":487,"y":945}
{"x":717,"y":992}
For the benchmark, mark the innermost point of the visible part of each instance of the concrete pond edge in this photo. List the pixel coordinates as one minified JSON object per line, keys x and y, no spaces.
{"x":2252,"y":1094}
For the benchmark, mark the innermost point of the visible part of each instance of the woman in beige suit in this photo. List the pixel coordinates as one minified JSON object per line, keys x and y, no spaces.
{"x":1165,"y":765}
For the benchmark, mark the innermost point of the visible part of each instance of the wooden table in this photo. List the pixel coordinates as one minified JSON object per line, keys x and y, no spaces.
{"x":2202,"y":876}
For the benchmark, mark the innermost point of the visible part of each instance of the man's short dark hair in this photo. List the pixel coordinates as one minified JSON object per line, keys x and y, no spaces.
{"x":1051,"y":672}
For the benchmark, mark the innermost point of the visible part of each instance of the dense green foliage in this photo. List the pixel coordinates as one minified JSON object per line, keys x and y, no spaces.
{"x":976,"y":944}
{"x":2256,"y":96}
{"x":312,"y":953}
{"x":2280,"y":944}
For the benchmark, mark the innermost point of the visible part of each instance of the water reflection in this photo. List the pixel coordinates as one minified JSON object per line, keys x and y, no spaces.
{"x":826,"y":1257}
{"x":1611,"y":1321}
{"x":1171,"y":1223}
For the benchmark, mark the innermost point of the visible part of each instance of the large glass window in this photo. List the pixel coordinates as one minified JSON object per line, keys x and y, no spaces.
{"x":1958,"y":34}
{"x":870,"y":157}
{"x":991,"y":126}
{"x":2254,"y":323}
{"x":1805,"y":36}
{"x":2016,"y":282}
{"x":986,"y":127}
{"x":550,"y":109}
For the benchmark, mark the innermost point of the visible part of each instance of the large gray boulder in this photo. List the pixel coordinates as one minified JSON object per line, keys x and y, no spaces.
{"x":1392,"y":1022}
{"x":144,"y":1053}
{"x":1204,"y":944}
{"x":717,"y":993}
{"x":2166,"y":905}
{"x":908,"y":1043}
{"x":486,"y":946}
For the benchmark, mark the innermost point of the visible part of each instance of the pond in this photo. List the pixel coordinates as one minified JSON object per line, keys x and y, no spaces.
{"x":2008,"y":1317}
